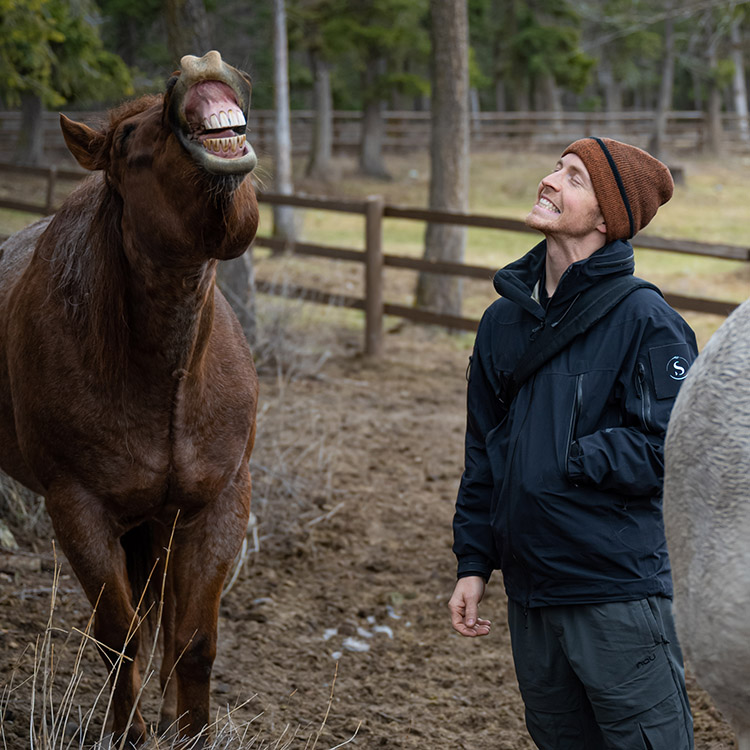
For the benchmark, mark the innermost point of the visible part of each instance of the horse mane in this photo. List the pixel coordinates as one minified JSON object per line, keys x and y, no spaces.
{"x":88,"y":271}
{"x":87,"y":260}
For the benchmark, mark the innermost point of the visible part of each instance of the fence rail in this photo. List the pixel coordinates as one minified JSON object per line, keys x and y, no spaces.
{"x":374,"y":259}
{"x":408,"y":130}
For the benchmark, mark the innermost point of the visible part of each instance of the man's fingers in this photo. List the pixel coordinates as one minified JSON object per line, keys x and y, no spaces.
{"x":481,"y":627}
{"x":463,"y":607}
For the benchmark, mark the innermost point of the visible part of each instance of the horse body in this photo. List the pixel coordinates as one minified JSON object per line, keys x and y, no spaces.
{"x":707,"y":518}
{"x":127,"y":390}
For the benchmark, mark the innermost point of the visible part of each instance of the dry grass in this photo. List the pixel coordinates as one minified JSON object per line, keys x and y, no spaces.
{"x":46,"y":682}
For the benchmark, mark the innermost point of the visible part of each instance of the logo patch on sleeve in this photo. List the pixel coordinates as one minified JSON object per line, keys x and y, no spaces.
{"x":669,"y":367}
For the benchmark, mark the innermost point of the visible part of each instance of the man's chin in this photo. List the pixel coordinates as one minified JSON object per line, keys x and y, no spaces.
{"x":534,"y":221}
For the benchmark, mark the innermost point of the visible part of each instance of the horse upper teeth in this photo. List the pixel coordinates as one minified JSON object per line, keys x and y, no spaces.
{"x":229,"y":119}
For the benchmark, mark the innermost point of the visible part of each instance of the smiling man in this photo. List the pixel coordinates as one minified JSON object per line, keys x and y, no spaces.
{"x":573,"y":376}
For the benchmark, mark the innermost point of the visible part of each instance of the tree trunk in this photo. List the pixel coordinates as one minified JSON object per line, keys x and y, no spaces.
{"x":373,"y":125}
{"x":501,"y":100}
{"x":657,"y":144}
{"x":552,"y":101}
{"x":739,"y":86}
{"x":612,"y":93}
{"x":321,"y":147}
{"x":475,"y":108}
{"x":127,"y":38}
{"x":187,"y":28}
{"x":449,"y":151}
{"x":283,"y":216}
{"x":236,"y":279}
{"x":30,"y":143}
{"x":521,"y":97}
{"x":714,"y":142}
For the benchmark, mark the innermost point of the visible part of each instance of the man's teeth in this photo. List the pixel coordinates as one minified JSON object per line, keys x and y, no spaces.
{"x":224,"y":145}
{"x":229,"y":119}
{"x":544,"y":203}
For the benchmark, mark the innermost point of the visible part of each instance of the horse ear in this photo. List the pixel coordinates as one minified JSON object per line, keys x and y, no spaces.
{"x":84,"y":143}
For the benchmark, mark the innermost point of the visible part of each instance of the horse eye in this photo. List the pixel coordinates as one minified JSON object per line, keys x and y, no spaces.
{"x":124,"y":135}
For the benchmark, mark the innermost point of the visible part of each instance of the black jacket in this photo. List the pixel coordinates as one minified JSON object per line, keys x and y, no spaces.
{"x":562,"y":491}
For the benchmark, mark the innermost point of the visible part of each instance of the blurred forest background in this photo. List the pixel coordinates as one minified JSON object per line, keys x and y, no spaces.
{"x":374,"y":55}
{"x":377,"y":77}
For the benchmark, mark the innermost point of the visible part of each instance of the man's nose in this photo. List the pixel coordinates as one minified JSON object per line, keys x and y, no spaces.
{"x":552,"y":180}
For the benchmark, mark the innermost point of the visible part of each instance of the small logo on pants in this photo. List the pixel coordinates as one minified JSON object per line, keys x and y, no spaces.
{"x":644,"y":662}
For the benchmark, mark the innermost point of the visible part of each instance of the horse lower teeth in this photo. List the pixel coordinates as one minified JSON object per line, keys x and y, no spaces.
{"x":224,"y":145}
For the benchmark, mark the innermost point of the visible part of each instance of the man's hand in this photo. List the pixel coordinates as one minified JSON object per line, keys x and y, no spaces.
{"x":463,"y":606}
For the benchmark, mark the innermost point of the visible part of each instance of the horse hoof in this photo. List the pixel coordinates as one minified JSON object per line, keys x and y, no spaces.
{"x":167,"y":728}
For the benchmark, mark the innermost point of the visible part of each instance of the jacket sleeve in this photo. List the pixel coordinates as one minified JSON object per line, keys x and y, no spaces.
{"x":630,"y":459}
{"x":474,"y":545}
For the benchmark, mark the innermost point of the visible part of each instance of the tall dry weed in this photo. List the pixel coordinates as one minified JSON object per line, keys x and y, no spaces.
{"x":47,"y":695}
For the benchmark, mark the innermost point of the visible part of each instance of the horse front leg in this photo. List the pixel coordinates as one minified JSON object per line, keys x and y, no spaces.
{"x":84,"y":531}
{"x":204,"y":552}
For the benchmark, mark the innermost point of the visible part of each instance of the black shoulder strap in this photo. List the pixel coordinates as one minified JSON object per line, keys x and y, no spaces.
{"x":587,"y":310}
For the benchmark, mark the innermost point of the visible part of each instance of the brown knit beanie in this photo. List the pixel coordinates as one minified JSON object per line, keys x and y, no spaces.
{"x":629,"y":184}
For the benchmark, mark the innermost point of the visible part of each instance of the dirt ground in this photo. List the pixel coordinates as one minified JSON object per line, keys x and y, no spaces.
{"x":356,"y":472}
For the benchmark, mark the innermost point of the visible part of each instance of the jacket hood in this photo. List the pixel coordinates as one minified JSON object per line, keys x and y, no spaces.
{"x":517,"y":280}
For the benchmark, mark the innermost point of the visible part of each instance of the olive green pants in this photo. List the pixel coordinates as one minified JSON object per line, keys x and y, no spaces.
{"x":602,"y":676}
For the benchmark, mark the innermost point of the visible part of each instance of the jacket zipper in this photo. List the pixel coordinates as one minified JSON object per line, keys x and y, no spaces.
{"x":574,"y":416}
{"x":644,"y":395}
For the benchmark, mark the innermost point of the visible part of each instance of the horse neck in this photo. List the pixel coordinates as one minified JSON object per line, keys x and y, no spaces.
{"x":170,"y":312}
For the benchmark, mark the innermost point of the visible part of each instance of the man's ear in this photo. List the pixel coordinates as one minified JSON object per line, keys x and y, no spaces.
{"x":85,"y":143}
{"x":601,"y":224}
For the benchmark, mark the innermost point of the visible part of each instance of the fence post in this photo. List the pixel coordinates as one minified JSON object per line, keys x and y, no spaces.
{"x":374,"y":275}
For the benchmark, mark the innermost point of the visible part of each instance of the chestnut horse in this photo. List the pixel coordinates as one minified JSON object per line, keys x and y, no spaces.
{"x":127,"y":390}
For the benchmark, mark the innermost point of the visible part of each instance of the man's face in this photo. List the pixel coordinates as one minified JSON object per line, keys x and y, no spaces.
{"x":566,"y":205}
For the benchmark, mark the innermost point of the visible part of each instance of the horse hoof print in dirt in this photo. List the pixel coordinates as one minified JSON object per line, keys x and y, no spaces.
{"x":127,"y":390}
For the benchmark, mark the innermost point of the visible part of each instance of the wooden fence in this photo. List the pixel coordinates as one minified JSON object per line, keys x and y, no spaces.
{"x":409,"y":131}
{"x":374,"y":259}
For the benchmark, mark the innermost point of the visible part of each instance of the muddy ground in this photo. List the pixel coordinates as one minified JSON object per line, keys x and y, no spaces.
{"x":356,"y":472}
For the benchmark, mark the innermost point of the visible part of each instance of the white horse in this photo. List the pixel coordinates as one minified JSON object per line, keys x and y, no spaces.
{"x":707,"y":517}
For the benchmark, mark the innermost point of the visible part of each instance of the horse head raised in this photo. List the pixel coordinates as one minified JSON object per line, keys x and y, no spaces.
{"x":176,"y":157}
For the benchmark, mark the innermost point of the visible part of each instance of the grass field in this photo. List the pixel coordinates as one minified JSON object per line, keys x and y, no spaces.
{"x":709,"y":207}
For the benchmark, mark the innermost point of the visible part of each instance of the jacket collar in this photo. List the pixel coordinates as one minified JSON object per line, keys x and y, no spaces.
{"x":517,"y":280}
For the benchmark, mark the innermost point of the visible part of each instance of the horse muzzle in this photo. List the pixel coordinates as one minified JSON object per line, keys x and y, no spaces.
{"x":208,"y":110}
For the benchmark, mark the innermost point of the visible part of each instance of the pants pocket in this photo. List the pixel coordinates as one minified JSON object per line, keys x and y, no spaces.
{"x":652,"y":623}
{"x":664,"y":727}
